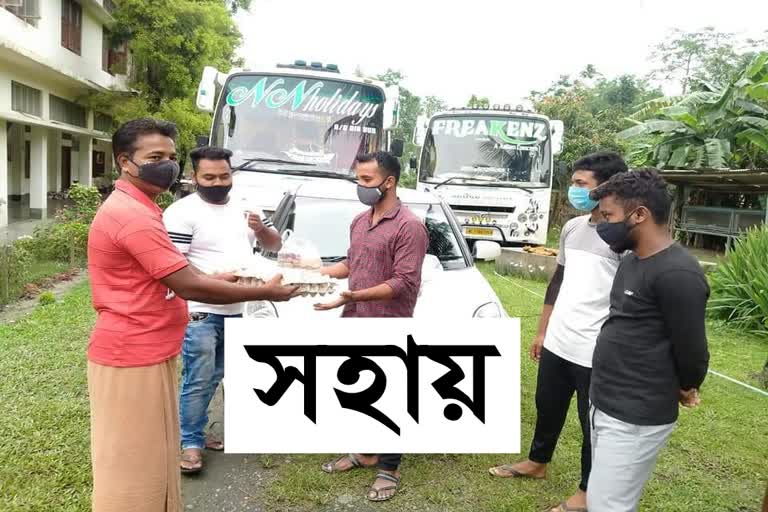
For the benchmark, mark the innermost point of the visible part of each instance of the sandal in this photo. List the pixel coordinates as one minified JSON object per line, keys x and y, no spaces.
{"x":196,"y":459}
{"x":374,"y":494}
{"x":216,"y":446}
{"x":330,"y":467}
{"x":513,"y":473}
{"x":211,"y":442}
{"x":563,"y":507}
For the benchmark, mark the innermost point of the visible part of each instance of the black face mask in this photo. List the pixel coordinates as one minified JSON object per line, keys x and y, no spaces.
{"x":162,"y":173}
{"x":214,"y":194}
{"x":618,"y":235}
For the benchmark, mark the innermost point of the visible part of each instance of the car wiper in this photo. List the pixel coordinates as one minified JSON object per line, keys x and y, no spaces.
{"x":333,"y":259}
{"x":248,"y":161}
{"x":324,"y":174}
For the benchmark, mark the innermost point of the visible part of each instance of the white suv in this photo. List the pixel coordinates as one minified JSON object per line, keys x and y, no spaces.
{"x":321,"y":211}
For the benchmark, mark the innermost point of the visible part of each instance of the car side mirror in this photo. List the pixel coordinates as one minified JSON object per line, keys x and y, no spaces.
{"x":203,"y":140}
{"x":486,"y":251}
{"x":412,"y":164}
{"x":397,"y":147}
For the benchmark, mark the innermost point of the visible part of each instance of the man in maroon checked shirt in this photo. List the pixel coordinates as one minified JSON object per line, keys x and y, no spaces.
{"x":387,"y":248}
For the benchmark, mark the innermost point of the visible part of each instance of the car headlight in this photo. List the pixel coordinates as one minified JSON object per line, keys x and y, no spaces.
{"x":260,"y":309}
{"x":489,"y":310}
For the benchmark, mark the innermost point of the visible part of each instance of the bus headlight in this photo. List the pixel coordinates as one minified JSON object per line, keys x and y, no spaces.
{"x":489,"y":310}
{"x":522,"y":218}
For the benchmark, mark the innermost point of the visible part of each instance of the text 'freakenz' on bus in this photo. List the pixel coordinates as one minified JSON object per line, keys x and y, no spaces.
{"x":493,"y":167}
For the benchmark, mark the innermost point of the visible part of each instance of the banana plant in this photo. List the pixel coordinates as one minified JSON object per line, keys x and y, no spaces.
{"x":721,"y":128}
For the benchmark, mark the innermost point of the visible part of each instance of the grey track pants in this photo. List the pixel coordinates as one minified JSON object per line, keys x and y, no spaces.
{"x":623,"y":458}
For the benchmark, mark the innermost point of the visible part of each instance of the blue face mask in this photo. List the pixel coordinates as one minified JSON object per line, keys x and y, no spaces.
{"x":579,"y":199}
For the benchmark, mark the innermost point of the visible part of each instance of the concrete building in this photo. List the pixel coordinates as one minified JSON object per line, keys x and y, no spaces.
{"x":53,"y":52}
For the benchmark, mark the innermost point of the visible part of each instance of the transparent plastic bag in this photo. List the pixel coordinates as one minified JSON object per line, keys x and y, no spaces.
{"x":299,"y":253}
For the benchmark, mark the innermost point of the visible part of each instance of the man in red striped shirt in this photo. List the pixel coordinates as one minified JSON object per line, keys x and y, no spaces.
{"x":139,"y":283}
{"x":388,"y":244}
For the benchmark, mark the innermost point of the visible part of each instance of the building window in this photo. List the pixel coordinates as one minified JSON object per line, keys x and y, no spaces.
{"x":27,"y":10}
{"x":113,"y":58}
{"x":26,"y":99}
{"x":67,"y":112}
{"x":99,"y":163}
{"x":109,"y":5}
{"x":102,"y":122}
{"x":71,"y":25}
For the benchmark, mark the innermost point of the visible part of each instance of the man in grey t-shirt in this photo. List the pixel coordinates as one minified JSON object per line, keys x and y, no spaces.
{"x":575,"y":307}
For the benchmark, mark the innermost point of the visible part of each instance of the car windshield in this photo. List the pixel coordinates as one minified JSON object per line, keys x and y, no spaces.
{"x":278,"y":120}
{"x":505,"y":151}
{"x":326,"y":222}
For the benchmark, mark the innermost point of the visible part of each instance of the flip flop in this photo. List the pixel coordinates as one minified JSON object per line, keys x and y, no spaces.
{"x":212,"y":444}
{"x":330,"y":467}
{"x":513,"y":473}
{"x":192,"y":459}
{"x":563,"y":507}
{"x":374,"y":494}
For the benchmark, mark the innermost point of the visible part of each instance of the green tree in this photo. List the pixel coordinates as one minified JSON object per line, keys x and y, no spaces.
{"x":171,"y":41}
{"x":702,"y":57}
{"x":478,"y":102}
{"x":410,"y":106}
{"x":431,"y":105}
{"x":724,"y":128}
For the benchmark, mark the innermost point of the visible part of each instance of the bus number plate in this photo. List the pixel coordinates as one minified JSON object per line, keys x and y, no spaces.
{"x":479,"y":231}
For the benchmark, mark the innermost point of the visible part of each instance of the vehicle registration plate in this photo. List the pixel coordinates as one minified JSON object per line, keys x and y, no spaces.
{"x":479,"y":231}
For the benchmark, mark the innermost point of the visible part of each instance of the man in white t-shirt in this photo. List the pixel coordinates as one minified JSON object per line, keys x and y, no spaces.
{"x":216,"y":234}
{"x":576,"y":305}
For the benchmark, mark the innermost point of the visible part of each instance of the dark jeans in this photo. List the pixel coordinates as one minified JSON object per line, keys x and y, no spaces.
{"x":556,"y":383}
{"x":387,"y":461}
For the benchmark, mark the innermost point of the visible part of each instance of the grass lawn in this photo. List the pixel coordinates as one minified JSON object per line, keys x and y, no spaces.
{"x":715,"y":462}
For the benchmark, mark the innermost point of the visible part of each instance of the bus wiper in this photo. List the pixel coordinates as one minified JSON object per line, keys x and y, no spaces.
{"x":448,"y":181}
{"x":249,"y":161}
{"x":333,"y":259}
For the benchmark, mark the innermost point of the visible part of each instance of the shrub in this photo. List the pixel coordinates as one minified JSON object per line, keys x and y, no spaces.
{"x":14,"y":262}
{"x":86,"y":201}
{"x":164,"y":200}
{"x":46,"y":298}
{"x":740,"y":283}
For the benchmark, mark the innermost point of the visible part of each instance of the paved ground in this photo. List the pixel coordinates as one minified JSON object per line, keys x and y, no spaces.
{"x":229,"y":483}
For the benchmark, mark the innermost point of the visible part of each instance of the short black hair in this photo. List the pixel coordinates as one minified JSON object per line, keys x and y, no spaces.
{"x":639,"y":187}
{"x":386,"y":161}
{"x":209,"y":153}
{"x":124,"y":139}
{"x":603,"y":165}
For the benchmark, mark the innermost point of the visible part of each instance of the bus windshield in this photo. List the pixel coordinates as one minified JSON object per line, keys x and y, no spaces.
{"x":487,"y":150}
{"x":278,"y":120}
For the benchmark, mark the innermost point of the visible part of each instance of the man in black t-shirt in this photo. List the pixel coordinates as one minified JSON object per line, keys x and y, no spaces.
{"x":652,"y":351}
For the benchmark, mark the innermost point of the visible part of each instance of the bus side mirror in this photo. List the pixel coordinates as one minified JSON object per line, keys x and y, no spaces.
{"x":557,"y":128}
{"x":412,"y":164}
{"x":397,"y":147}
{"x":420,"y":131}
{"x":206,"y":91}
{"x":202,"y":140}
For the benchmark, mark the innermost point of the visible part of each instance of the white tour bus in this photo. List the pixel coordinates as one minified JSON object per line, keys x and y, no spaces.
{"x":293,"y":123}
{"x":493,"y":167}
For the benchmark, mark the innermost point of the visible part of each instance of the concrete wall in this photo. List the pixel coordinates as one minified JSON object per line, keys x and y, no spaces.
{"x":44,"y":41}
{"x":514,"y":261}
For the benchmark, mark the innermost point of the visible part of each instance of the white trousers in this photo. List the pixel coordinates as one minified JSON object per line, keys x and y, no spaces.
{"x":623,"y":458}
